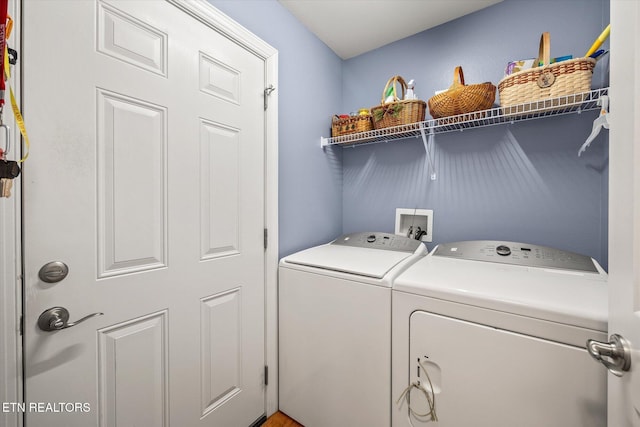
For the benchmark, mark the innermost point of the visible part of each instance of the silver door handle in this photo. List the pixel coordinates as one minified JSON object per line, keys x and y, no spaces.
{"x":614,"y":355}
{"x":57,"y":318}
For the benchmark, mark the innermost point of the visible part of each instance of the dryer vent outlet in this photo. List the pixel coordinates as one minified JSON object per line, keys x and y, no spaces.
{"x":412,"y":222}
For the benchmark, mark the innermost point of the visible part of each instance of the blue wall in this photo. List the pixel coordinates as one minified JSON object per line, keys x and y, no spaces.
{"x":520,"y":182}
{"x":309,"y":92}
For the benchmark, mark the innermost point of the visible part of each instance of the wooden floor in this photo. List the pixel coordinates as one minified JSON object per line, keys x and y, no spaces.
{"x":281,"y":420}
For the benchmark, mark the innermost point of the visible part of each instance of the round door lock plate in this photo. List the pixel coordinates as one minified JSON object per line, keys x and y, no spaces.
{"x":53,"y":272}
{"x":546,"y":79}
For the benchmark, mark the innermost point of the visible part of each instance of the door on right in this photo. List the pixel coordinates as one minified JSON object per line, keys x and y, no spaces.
{"x":624,"y":208}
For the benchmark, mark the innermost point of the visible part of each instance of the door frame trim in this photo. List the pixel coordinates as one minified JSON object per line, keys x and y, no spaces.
{"x":11,"y":257}
{"x":624,"y":214}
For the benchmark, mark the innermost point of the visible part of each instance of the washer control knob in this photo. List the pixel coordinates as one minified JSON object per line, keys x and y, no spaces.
{"x":371,"y":238}
{"x":503,"y":250}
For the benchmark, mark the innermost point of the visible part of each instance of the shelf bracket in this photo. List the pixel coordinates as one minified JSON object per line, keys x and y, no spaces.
{"x":428,"y":143}
{"x":601,"y":122}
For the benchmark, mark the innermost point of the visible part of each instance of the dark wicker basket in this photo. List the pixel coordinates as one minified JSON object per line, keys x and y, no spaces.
{"x":353,"y":124}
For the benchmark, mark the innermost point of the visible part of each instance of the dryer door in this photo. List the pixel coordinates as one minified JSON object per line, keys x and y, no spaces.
{"x":484,"y":376}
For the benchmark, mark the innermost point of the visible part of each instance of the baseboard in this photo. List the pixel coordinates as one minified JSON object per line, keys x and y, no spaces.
{"x":259,"y":421}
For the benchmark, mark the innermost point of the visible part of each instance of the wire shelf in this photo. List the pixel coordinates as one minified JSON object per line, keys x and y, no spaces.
{"x":568,"y":104}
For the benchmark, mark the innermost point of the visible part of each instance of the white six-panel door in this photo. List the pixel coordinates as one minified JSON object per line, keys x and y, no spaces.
{"x":147,"y":180}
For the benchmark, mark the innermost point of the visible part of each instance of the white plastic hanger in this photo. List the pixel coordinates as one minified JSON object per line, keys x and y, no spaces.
{"x":601,"y":122}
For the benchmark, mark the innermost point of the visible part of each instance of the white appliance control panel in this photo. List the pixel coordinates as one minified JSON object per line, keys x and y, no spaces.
{"x":377,"y":240}
{"x":516,"y":254}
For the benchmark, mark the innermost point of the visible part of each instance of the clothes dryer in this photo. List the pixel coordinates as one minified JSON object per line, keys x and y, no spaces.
{"x":496,"y":331}
{"x":335,"y":329}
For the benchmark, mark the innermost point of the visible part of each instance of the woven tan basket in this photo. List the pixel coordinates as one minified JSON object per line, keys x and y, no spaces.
{"x":353,"y":124}
{"x":400,"y":111}
{"x":461,"y":98}
{"x":547,"y":81}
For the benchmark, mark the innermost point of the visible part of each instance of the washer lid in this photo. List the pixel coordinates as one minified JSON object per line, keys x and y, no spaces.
{"x":363,"y":254}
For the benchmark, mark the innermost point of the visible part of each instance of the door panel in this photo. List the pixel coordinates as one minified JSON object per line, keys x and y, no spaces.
{"x":221,"y":349}
{"x":219,"y":166}
{"x":624,"y":210}
{"x":131,"y":40}
{"x":132,"y":189}
{"x":137,"y":350}
{"x":148,"y":182}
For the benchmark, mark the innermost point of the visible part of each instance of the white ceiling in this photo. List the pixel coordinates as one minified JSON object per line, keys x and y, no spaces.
{"x":353,"y":27}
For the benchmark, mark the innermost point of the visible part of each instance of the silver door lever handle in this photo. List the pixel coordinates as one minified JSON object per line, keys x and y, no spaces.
{"x":57,"y":318}
{"x":614,"y":355}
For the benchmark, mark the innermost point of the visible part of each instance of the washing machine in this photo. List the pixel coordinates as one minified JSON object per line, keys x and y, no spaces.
{"x":334,"y":319}
{"x":494,"y":333}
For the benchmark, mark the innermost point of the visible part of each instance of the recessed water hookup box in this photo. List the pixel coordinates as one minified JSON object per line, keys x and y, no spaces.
{"x":412,"y":222}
